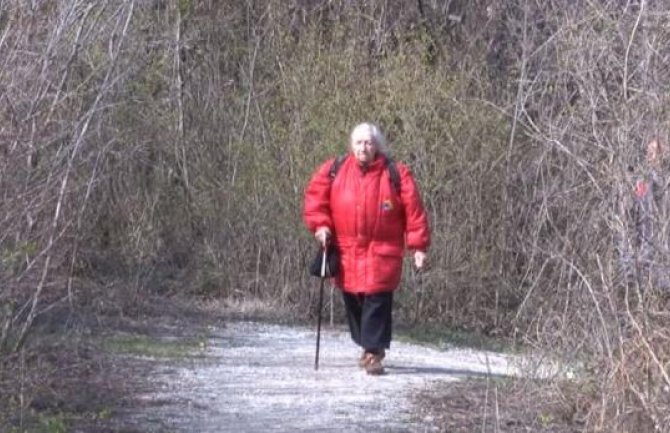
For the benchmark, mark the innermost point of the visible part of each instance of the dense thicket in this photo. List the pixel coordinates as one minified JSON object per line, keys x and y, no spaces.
{"x":163,"y":146}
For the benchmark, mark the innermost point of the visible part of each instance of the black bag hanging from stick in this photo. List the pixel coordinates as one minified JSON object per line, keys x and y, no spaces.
{"x":332,"y":262}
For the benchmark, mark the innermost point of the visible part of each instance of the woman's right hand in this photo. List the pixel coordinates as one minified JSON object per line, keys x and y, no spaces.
{"x":322,"y":235}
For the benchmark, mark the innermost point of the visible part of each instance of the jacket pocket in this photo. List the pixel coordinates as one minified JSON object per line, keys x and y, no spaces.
{"x":387,"y":261}
{"x":388,"y":250}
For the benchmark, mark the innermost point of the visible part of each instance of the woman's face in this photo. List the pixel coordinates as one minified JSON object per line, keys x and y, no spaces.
{"x":363,"y":146}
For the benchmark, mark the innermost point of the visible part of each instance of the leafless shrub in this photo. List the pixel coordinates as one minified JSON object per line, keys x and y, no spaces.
{"x":61,"y":62}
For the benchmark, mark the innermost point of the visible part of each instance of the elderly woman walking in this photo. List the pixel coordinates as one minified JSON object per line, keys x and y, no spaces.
{"x":369,"y":207}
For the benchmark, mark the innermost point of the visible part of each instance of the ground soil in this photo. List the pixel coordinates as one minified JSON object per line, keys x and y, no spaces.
{"x":510,"y":406}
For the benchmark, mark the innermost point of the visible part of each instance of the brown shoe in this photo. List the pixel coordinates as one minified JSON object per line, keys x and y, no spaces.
{"x":366,"y":357}
{"x":374,"y":365}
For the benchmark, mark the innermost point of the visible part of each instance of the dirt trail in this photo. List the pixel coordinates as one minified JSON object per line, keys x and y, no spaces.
{"x":260,"y":378}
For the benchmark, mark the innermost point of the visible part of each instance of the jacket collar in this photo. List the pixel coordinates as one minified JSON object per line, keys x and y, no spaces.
{"x":376,"y":165}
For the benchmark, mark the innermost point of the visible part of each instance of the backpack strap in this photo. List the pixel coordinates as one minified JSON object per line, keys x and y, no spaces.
{"x":336,"y":166}
{"x":388,"y":162}
{"x":393,"y":174}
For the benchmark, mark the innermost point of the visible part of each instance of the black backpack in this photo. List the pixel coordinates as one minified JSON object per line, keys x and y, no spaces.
{"x":390,"y":165}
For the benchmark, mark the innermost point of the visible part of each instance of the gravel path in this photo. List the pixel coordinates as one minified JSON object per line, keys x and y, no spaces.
{"x":260,"y":378}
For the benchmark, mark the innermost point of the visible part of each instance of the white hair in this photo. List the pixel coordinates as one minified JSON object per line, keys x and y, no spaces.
{"x":375,"y":133}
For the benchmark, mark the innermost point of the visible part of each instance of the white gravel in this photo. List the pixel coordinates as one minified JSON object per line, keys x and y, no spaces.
{"x":260,"y":378}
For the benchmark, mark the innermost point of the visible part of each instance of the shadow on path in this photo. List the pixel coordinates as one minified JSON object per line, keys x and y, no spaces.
{"x":438,"y":371}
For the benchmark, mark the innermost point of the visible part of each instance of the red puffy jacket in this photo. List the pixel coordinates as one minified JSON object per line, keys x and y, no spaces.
{"x":370,"y":223}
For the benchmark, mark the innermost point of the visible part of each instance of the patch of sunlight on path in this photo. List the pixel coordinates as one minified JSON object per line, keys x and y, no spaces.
{"x":260,"y":378}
